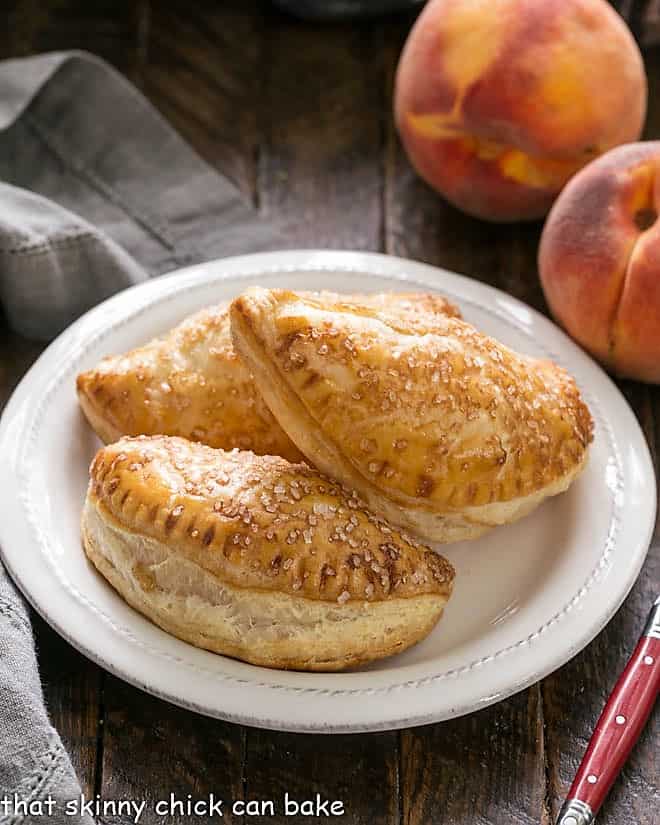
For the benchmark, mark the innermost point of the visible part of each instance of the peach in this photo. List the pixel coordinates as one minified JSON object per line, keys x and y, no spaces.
{"x":599,"y":260}
{"x":499,"y":102}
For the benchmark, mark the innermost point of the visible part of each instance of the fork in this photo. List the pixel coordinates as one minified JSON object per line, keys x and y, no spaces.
{"x":618,"y":728}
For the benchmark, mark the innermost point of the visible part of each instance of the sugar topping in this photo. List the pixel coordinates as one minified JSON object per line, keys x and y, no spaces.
{"x":269,"y":523}
{"x":426,"y":407}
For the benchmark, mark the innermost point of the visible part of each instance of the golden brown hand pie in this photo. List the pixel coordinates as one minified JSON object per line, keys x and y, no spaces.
{"x":256,"y":558}
{"x":191,"y":383}
{"x":440,"y":428}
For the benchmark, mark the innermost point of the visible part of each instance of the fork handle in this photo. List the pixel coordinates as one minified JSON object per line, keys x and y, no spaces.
{"x":618,"y":728}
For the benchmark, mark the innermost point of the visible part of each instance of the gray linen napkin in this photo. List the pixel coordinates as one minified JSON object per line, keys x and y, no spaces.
{"x":76,"y":132}
{"x":76,"y":139}
{"x":34,"y":767}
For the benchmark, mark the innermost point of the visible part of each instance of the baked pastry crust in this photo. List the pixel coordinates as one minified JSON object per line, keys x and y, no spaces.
{"x":191,"y":383}
{"x":440,"y":428}
{"x":255,"y":557}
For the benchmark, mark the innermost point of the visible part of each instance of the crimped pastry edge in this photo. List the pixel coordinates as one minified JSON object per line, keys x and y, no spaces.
{"x":94,"y":415}
{"x":319,"y":636}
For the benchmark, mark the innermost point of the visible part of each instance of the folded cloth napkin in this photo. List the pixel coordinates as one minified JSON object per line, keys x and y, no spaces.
{"x":34,"y":767}
{"x":76,"y":139}
{"x":78,"y":134}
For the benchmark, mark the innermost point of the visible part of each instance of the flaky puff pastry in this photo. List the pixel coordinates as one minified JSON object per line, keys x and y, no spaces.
{"x":440,"y":428}
{"x":255,"y":557}
{"x":191,"y":383}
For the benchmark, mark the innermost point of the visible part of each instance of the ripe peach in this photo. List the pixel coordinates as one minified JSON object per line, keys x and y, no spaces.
{"x":499,"y":102}
{"x":599,"y":260}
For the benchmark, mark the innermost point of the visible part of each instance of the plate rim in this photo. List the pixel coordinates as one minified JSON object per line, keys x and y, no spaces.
{"x":155,"y":293}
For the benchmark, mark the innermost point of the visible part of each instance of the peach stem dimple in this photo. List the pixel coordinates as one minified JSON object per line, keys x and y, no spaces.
{"x":644,"y":218}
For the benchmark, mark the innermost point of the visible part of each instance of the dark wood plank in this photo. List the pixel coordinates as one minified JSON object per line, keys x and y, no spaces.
{"x":152,"y":750}
{"x":72,"y":689}
{"x":652,"y":63}
{"x":484,"y":768}
{"x":488,"y":767}
{"x":204,"y":70}
{"x":17,"y":354}
{"x":109,"y":28}
{"x":15,"y":35}
{"x":322,"y":121}
{"x":360,"y":771}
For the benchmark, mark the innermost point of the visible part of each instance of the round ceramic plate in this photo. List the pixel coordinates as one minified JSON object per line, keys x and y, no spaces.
{"x":527,"y":598}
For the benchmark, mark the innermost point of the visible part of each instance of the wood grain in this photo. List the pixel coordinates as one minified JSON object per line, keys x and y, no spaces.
{"x":322,"y":121}
{"x":109,"y":28}
{"x":359,"y":770}
{"x":72,"y":689}
{"x":17,"y":355}
{"x":486,"y":768}
{"x":152,"y":750}
{"x":203,"y":69}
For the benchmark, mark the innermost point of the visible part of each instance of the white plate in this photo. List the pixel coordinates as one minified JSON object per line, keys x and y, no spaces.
{"x":528,"y":597}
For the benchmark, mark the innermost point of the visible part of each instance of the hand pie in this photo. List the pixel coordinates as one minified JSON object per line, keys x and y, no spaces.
{"x":256,"y":558}
{"x":191,"y":383}
{"x":441,"y":429}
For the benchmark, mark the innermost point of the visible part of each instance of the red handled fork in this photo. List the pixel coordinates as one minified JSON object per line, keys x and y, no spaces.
{"x":618,"y":728}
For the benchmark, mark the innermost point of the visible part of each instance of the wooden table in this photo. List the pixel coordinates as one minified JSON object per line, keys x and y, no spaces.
{"x":299,"y":116}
